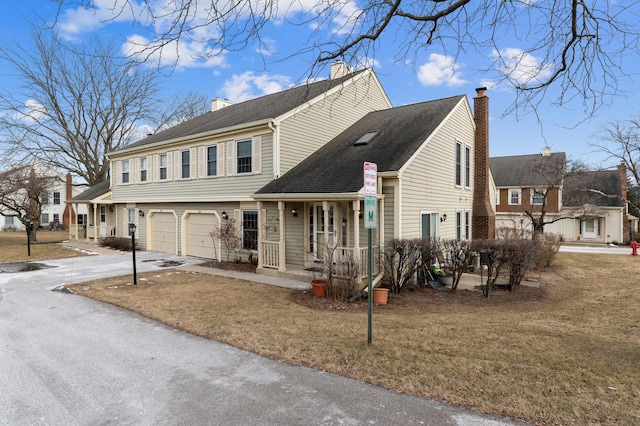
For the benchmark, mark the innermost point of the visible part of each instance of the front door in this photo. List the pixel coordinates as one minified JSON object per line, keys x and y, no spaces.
{"x":103,"y":221}
{"x":318,"y":231}
{"x":590,"y":227}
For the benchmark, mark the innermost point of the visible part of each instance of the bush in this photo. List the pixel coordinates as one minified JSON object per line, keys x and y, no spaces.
{"x":546,"y":250}
{"x":521,"y":256}
{"x":400,"y":262}
{"x":492,"y":256}
{"x":116,"y":243}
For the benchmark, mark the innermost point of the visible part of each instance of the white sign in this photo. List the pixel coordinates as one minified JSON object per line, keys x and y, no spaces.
{"x":370,"y":212}
{"x":370,"y":178}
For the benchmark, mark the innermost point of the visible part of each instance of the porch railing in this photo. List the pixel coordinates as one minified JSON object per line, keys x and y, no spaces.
{"x":271,"y":254}
{"x":271,"y":257}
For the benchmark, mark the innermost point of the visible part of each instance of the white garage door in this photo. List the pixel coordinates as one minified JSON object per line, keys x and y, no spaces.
{"x":163,"y":232}
{"x":199,"y":240}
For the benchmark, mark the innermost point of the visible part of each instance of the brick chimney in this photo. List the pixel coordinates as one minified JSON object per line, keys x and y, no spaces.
{"x":483,"y":216}
{"x":68,"y":209}
{"x":626,"y":231}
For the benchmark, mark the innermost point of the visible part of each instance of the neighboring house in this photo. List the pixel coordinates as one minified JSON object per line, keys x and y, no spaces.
{"x":586,"y":206}
{"x":55,"y":212}
{"x":287,"y":169}
{"x":599,"y":202}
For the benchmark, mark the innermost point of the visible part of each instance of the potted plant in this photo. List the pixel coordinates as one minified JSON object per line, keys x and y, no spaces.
{"x":380,"y":295}
{"x":319,"y":287}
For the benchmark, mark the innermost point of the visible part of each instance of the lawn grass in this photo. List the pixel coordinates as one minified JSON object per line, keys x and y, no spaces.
{"x":565,"y":353}
{"x":13,"y":246}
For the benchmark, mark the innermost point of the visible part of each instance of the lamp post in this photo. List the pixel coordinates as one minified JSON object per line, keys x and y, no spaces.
{"x":28,"y":226}
{"x":132,"y":232}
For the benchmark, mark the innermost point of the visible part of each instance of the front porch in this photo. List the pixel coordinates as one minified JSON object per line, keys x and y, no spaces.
{"x":310,"y":232}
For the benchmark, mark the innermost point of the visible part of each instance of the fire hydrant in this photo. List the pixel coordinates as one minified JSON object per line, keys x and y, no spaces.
{"x":634,"y":248}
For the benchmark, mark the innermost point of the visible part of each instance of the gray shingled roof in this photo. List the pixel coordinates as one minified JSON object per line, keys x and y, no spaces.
{"x":263,"y":108}
{"x":337,"y":167}
{"x":576,"y":189}
{"x":521,"y":171}
{"x":91,"y":193}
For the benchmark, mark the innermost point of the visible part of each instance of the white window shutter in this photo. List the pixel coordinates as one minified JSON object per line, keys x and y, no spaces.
{"x":221,"y":157}
{"x":177,"y":165}
{"x":231,"y":158}
{"x":154,"y":165}
{"x":202,"y":161}
{"x":134,"y":165}
{"x":169,"y":165}
{"x":193,"y":162}
{"x":256,"y":155}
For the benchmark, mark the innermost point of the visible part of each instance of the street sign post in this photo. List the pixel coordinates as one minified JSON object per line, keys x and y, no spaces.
{"x":370,"y":223}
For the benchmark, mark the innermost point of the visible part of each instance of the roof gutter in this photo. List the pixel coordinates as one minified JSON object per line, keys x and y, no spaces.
{"x":231,"y":129}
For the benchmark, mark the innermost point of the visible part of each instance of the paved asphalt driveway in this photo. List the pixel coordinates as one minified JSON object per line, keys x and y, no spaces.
{"x":69,"y":360}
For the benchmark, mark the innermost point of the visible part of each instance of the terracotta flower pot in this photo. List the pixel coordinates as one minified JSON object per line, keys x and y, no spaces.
{"x":380,"y":295}
{"x":319,"y":287}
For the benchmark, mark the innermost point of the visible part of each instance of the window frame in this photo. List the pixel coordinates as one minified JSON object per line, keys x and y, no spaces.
{"x":248,"y":233}
{"x":185,"y":168}
{"x":467,"y":224}
{"x":535,"y":192}
{"x":467,"y":167}
{"x":162,"y":169}
{"x":210,"y":161}
{"x":143,"y":169}
{"x":56,"y":198}
{"x":458,"y":162}
{"x":124,"y":176}
{"x":511,"y":193}
{"x":45,"y":216}
{"x":458,"y":225}
{"x":248,"y":159}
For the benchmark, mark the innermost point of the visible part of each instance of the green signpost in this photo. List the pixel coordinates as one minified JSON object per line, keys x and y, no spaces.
{"x":370,"y":223}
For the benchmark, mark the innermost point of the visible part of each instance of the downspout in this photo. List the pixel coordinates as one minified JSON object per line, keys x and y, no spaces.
{"x":275,"y":128}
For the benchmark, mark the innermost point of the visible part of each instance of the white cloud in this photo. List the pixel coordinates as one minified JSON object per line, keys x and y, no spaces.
{"x":521,"y":67}
{"x":440,"y":69}
{"x":32,"y":112}
{"x":249,"y":85}
{"x":181,"y":54}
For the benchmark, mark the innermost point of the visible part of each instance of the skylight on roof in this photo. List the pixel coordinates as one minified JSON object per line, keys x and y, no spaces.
{"x":366,"y":138}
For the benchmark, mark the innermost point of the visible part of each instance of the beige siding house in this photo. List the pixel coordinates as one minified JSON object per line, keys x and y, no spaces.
{"x":287,"y":171}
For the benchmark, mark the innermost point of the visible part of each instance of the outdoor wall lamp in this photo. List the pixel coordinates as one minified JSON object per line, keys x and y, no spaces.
{"x":443,"y":218}
{"x":294,"y":212}
{"x":225,"y":216}
{"x":140,"y":213}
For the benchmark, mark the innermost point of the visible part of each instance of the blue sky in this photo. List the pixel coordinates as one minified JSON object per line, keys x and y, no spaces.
{"x":238,"y":76}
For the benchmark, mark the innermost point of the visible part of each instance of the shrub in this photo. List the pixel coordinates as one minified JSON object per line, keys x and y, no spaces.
{"x":428,"y":249}
{"x":546,"y":250}
{"x":458,"y":254}
{"x":521,"y":257}
{"x":116,"y":243}
{"x":493,"y":257}
{"x":400,"y":262}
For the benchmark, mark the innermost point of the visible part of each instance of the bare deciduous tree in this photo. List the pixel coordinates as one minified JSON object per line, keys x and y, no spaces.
{"x":579,"y":46}
{"x":620,"y":141}
{"x":76,"y":105}
{"x":21,"y":191}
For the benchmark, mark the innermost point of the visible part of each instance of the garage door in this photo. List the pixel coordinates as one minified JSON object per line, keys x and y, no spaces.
{"x":163,"y":232}
{"x":199,"y":240}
